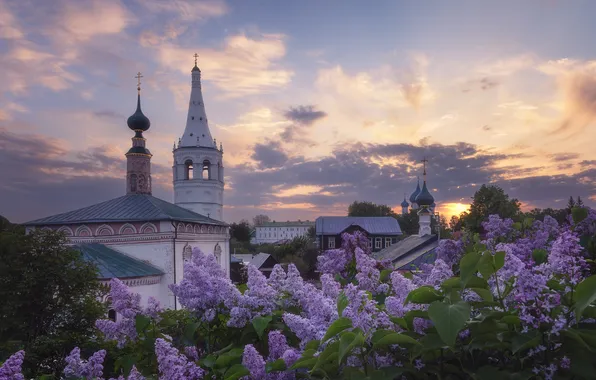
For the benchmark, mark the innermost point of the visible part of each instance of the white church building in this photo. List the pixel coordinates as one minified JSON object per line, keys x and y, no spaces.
{"x":143,"y":240}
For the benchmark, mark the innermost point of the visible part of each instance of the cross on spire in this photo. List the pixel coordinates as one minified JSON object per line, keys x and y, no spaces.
{"x":139,"y":76}
{"x":424,"y":161}
{"x":196,"y":57}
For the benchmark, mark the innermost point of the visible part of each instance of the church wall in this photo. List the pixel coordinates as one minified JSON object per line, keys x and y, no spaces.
{"x":158,"y":254}
{"x":147,"y":291}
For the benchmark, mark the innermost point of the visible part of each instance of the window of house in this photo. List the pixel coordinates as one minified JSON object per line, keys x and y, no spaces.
{"x":331,"y":243}
{"x":378,"y":243}
{"x":112,"y":315}
{"x":369,"y":243}
{"x":387,"y":242}
{"x":206,"y":169}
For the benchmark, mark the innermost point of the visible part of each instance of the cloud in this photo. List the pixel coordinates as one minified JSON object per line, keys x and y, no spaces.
{"x":305,"y":115}
{"x":114,"y":116}
{"x":46,"y":178}
{"x":243,"y":66}
{"x":269,"y":155}
{"x":383,"y":172}
{"x":187,"y":10}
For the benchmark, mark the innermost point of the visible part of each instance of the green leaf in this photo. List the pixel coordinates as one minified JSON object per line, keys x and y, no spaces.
{"x":423,"y":295}
{"x":189,"y":333}
{"x":499,"y":260}
{"x":208,"y":361}
{"x":395,"y":338}
{"x":511,"y":320}
{"x":236,"y":371}
{"x":141,"y":323}
{"x":540,"y":255}
{"x":517,"y":226}
{"x":449,"y":319}
{"x":305,"y":363}
{"x":278,"y":365}
{"x":328,"y":353}
{"x":347,"y":343}
{"x":486,"y":294}
{"x":342,"y":303}
{"x":125,"y":363}
{"x":353,"y":373}
{"x":579,"y":214}
{"x":486,"y":265}
{"x":336,"y":327}
{"x":232,"y":357}
{"x":522,"y":342}
{"x":467,"y":266}
{"x":585,"y":294}
{"x":312,"y":345}
{"x":452,"y":283}
{"x":385,"y":274}
{"x":489,"y":373}
{"x":260,"y":324}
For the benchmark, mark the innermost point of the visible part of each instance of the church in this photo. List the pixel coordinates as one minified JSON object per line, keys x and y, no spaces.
{"x":143,"y":240}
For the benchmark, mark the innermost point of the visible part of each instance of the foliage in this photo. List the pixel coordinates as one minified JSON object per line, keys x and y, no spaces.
{"x":7,"y":226}
{"x":49,"y":299}
{"x":260,"y":219}
{"x":519,"y":303}
{"x":489,"y":200}
{"x":369,"y":209}
{"x":240,"y":231}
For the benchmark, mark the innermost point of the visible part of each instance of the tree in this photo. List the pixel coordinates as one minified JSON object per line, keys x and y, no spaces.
{"x":260,"y":219}
{"x":408,"y":222}
{"x":579,"y":202}
{"x":369,"y":209}
{"x":7,"y":226}
{"x":570,"y":204}
{"x":489,"y":200}
{"x":312,"y":232}
{"x":240,"y":231}
{"x":49,"y":299}
{"x":455,"y":223}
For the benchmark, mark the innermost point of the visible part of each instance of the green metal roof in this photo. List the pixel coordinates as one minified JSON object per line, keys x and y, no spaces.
{"x":128,"y":208}
{"x":113,"y":264}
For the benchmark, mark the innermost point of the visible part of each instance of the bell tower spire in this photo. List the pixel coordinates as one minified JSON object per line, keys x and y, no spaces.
{"x":198,"y":163}
{"x":197,"y":131}
{"x":138,"y":157}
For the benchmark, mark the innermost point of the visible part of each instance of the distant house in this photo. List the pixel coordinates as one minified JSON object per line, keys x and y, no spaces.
{"x":382,"y":231}
{"x":263,"y":261}
{"x":411,"y":253}
{"x":273,"y":232}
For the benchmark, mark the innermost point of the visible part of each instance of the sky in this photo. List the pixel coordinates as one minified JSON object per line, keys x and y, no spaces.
{"x":317,"y":104}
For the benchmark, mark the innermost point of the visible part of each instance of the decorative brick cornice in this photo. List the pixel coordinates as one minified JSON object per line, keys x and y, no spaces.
{"x":138,"y":281}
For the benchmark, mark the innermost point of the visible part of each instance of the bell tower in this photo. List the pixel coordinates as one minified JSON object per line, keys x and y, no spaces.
{"x":138,"y":157}
{"x":198,"y":172}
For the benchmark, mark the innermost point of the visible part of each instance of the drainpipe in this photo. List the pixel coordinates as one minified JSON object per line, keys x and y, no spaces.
{"x":175,"y":225}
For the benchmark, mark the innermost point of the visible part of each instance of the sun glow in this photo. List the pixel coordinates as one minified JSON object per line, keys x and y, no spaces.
{"x":450,"y":209}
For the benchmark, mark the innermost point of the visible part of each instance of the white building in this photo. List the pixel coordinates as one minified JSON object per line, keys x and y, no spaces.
{"x":141,"y":239}
{"x":273,"y":232}
{"x":198,"y":170}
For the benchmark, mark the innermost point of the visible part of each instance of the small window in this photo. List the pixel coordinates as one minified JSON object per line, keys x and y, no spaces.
{"x":112,"y":315}
{"x":192,"y":118}
{"x":387,"y":242}
{"x":378,"y":243}
{"x":369,"y":243}
{"x":331,"y":243}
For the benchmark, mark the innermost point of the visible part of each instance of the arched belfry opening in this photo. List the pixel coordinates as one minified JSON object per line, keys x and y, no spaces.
{"x":206,"y":169}
{"x":188,"y":170}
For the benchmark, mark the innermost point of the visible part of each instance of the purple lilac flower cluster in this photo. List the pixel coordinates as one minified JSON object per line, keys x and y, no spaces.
{"x":88,"y":369}
{"x":128,"y":306}
{"x":11,"y":369}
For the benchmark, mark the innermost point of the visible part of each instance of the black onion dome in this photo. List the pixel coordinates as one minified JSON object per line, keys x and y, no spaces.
{"x":196,"y":68}
{"x":424,"y":198}
{"x":415,"y":193}
{"x":139,"y":150}
{"x":137,"y":121}
{"x":404,"y":203}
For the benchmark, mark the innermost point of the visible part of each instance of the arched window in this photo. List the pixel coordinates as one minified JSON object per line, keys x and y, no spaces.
{"x":112,"y":315}
{"x":206,"y":169}
{"x":188,"y":170}
{"x":133,"y":183}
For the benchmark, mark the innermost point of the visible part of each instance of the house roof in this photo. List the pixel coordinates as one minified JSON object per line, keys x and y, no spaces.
{"x":127,"y":208}
{"x":257,"y":260}
{"x":375,"y":225}
{"x":409,"y":250}
{"x":113,"y":264}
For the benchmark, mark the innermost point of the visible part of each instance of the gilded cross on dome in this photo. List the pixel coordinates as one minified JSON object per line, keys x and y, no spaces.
{"x":196,"y":56}
{"x":424,"y":161}
{"x":139,"y":76}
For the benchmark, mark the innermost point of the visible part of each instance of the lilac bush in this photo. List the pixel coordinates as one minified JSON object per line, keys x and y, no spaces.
{"x":518,"y":300}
